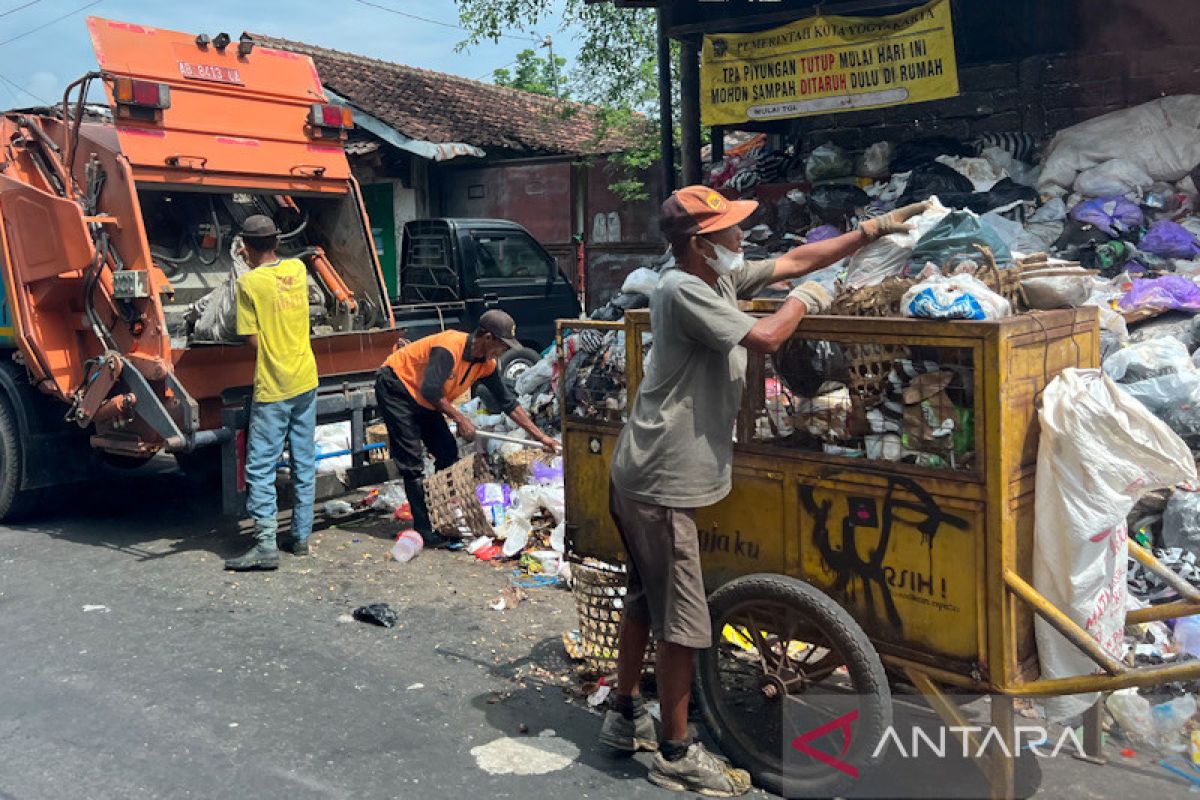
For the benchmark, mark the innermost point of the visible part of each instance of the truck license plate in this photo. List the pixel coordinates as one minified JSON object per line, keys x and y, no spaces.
{"x":209,"y":72}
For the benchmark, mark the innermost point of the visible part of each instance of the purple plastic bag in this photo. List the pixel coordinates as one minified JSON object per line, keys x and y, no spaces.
{"x":1169,"y":240}
{"x":1113,"y":215}
{"x":1170,"y":292}
{"x":822,"y":233}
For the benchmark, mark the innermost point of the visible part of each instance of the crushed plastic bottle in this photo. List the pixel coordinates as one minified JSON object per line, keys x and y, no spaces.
{"x":408,"y":545}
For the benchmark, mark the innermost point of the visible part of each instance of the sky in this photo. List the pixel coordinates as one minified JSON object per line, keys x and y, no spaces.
{"x":38,"y":66}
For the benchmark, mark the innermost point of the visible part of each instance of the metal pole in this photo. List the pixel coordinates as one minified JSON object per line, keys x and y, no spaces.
{"x":666,"y":120}
{"x":717,"y":135}
{"x":689,"y":89}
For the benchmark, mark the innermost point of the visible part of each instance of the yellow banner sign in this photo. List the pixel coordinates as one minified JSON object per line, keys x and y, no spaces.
{"x":823,"y":65}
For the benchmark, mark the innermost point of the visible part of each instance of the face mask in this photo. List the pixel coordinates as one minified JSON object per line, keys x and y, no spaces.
{"x":724,"y":261}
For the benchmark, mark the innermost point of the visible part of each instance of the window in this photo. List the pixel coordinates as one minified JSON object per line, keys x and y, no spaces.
{"x":505,"y":257}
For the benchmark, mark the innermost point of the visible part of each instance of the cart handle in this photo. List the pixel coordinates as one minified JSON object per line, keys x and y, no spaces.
{"x":1062,"y":623}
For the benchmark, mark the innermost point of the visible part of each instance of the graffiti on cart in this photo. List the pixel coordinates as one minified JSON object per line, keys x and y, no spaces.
{"x":867,"y":529}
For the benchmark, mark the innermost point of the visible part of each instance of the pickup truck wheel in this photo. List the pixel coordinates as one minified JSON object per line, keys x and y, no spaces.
{"x":515,"y":362}
{"x":14,"y":502}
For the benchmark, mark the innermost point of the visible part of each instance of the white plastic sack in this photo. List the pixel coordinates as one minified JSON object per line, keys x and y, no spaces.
{"x":1057,"y":287}
{"x":888,"y":255}
{"x":958,"y":296}
{"x":1099,"y":452}
{"x":641,"y":281}
{"x":1159,"y":136}
{"x":1019,"y":171}
{"x":1014,"y":234}
{"x":330,"y":439}
{"x":1112,"y":178}
{"x":1157,"y":372}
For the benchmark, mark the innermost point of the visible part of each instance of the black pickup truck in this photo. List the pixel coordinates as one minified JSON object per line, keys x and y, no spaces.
{"x":452,"y":270}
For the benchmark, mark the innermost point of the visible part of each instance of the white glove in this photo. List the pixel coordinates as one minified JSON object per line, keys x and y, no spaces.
{"x":814,"y":296}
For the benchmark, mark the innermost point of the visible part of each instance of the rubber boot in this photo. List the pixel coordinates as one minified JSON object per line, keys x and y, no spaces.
{"x":265,"y":553}
{"x":414,"y":489}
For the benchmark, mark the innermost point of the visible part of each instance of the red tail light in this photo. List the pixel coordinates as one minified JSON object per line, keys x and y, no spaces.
{"x":141,"y":100}
{"x":327,"y":120}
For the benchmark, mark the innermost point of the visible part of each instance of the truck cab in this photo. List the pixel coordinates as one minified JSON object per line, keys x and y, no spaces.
{"x":452,"y":270}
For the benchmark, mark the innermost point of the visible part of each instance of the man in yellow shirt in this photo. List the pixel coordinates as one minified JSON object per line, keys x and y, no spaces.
{"x":272,"y":313}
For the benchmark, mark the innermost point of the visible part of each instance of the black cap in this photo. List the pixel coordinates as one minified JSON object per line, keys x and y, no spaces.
{"x":259,"y":226}
{"x":500,"y":325}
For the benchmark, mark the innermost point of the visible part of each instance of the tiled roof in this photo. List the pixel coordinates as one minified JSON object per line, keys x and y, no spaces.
{"x":438,"y":107}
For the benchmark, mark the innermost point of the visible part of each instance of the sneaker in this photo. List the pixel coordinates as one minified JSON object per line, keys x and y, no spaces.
{"x":256,"y":558}
{"x":435,"y":541}
{"x":298,"y":548}
{"x":701,"y":772}
{"x":629,"y":735}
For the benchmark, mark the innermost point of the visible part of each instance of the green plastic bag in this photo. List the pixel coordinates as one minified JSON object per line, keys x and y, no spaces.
{"x":960,"y":233}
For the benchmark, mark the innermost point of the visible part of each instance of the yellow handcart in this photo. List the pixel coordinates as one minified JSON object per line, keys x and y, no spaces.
{"x":862,"y":549}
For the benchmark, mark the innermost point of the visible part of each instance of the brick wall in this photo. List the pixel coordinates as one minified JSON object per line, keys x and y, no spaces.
{"x":1124,"y":52}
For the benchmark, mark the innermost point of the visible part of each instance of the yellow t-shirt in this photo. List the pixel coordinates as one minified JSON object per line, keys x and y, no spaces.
{"x":272,"y":303}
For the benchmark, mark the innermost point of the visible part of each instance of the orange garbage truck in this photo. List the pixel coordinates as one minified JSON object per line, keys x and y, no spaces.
{"x":119,"y":254}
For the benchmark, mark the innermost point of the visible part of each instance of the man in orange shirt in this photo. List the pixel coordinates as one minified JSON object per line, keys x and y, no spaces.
{"x":415,"y":388}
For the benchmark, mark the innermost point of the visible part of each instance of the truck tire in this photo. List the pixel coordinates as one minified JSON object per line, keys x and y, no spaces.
{"x":15,"y":503}
{"x":743,"y":707}
{"x":515,"y":362}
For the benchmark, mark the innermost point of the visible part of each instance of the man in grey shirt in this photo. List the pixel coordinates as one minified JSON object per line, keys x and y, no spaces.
{"x":676,"y":455}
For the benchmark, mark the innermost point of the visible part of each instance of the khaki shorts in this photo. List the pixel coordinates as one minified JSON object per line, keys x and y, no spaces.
{"x":666,"y":586}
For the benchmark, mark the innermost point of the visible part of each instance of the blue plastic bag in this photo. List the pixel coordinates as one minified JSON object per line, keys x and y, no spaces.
{"x":1113,"y":215}
{"x":1169,"y":240}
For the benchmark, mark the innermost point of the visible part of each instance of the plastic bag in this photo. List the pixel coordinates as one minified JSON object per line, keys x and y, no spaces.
{"x":821,"y":233}
{"x":1013,"y":234}
{"x":1170,"y":720}
{"x":640,"y":281}
{"x":833,"y":203}
{"x":1113,"y":215}
{"x":1115,"y":177}
{"x":959,"y":233}
{"x":1171,"y":292}
{"x":332,"y":438}
{"x":982,"y":174}
{"x":1159,"y":373}
{"x":932,"y":179}
{"x":1181,"y":521}
{"x":216,"y":312}
{"x":1132,"y":713}
{"x":533,"y":379}
{"x":1184,"y":419}
{"x":1019,"y":171}
{"x":1169,"y":240}
{"x":875,"y":161}
{"x":828,"y":161}
{"x":1159,"y":136}
{"x":1098,"y":453}
{"x":888,"y":255}
{"x":954,"y":297}
{"x":1052,"y":288}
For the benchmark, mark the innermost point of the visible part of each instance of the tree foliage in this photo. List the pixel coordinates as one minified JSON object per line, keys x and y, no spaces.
{"x":534,"y":73}
{"x":616,"y":69}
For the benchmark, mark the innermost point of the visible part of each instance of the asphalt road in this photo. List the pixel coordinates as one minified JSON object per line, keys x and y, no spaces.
{"x":132,"y":666}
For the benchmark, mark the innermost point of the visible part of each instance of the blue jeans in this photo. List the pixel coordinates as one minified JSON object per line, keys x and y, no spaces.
{"x":271,"y":424}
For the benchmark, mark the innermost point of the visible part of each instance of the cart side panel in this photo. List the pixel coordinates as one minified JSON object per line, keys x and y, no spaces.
{"x":901,"y":554}
{"x":587,"y":456}
{"x":745,"y":533}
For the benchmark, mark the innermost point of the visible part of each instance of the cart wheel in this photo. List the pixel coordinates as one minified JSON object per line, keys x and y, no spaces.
{"x":783,"y":646}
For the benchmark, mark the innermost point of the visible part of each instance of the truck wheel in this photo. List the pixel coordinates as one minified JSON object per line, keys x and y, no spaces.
{"x":15,"y":503}
{"x":789,"y":660}
{"x":515,"y":362}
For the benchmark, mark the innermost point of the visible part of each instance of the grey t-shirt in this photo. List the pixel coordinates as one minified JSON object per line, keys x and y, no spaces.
{"x":677,"y":448}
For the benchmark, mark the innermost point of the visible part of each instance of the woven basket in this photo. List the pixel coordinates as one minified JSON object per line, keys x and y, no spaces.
{"x":518,"y":466}
{"x":599,"y":599}
{"x":883,"y":299}
{"x":454,"y":507}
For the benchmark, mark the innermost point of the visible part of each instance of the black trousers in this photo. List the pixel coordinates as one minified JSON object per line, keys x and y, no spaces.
{"x":412,"y":428}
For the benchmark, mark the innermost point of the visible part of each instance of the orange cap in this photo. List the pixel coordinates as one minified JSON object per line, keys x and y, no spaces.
{"x":698,"y":209}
